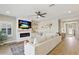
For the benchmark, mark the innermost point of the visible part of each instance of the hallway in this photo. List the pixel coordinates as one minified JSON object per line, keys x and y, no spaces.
{"x":70,"y":46}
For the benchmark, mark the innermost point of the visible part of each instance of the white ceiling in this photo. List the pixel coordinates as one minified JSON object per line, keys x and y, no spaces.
{"x":56,"y":11}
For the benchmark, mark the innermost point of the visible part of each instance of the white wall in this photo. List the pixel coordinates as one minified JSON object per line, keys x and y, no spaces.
{"x":48,"y":27}
{"x":45,"y":29}
{"x":12,"y":20}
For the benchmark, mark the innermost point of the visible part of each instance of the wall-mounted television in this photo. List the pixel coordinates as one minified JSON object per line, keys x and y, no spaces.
{"x":24,"y":24}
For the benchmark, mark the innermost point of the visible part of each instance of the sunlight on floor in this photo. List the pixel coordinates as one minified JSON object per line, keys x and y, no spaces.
{"x":69,"y":46}
{"x":70,"y":41}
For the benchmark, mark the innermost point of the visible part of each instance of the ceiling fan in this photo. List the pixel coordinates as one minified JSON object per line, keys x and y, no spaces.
{"x":52,"y":5}
{"x":40,"y":14}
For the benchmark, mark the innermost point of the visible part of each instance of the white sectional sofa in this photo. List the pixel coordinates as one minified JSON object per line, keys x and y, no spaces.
{"x":44,"y":47}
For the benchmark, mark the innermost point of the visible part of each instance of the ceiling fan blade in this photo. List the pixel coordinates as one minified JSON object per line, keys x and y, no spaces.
{"x":51,"y":5}
{"x":43,"y":13}
{"x":42,"y":16}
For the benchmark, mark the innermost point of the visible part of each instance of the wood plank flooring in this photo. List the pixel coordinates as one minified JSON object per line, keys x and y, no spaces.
{"x":69,"y":46}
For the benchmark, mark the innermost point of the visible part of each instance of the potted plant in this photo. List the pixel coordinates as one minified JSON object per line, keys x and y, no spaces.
{"x":3,"y":37}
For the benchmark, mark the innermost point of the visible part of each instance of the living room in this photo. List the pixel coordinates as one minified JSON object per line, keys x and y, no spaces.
{"x":34,"y":29}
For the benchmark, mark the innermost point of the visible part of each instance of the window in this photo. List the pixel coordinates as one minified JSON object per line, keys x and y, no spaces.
{"x":6,"y":28}
{"x":9,"y":31}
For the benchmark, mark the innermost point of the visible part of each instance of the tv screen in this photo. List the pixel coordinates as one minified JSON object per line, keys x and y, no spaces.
{"x":24,"y":24}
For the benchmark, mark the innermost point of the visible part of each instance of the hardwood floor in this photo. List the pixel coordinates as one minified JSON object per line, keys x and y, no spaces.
{"x":69,"y":46}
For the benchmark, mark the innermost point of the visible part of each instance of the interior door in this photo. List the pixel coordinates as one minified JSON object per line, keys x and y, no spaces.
{"x":70,"y":29}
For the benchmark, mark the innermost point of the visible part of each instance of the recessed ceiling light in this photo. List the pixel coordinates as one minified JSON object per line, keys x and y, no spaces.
{"x":69,"y":11}
{"x":7,"y":12}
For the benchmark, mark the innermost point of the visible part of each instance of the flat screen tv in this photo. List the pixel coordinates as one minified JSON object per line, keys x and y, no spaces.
{"x":24,"y":24}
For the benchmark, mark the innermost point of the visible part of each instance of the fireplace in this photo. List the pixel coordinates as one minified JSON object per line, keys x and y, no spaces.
{"x":24,"y":35}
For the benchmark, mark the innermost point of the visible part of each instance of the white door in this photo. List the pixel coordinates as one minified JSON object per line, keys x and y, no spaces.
{"x":70,"y":29}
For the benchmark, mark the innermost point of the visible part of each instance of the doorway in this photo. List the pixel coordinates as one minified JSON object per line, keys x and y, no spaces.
{"x":70,"y":29}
